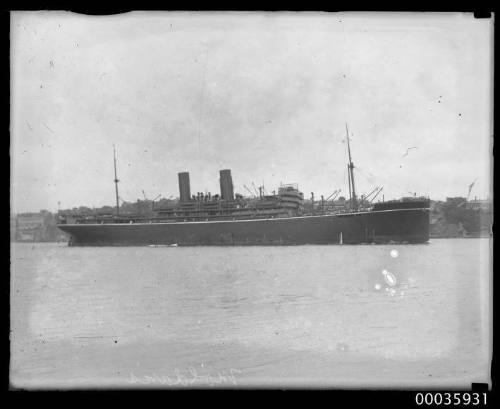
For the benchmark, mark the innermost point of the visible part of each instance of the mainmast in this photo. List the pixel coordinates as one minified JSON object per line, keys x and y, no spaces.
{"x":116,"y":183}
{"x":350,"y":168}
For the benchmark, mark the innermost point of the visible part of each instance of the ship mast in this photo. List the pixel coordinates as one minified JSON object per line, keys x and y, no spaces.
{"x":350,"y":168}
{"x":116,"y":183}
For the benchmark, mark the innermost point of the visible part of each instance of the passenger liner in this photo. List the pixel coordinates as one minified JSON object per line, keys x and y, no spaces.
{"x":283,"y":218}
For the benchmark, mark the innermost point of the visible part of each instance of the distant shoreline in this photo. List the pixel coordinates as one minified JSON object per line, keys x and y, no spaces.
{"x":431,"y":237}
{"x":478,"y":236}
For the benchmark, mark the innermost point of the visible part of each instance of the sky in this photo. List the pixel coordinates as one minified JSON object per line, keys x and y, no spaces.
{"x":267,"y":95}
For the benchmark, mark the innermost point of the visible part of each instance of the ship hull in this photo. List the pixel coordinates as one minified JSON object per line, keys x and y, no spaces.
{"x":399,"y":226}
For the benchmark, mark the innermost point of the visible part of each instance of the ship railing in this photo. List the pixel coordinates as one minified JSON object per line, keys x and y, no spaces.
{"x":334,"y":211}
{"x":237,"y":214}
{"x":292,"y":185}
{"x":190,"y":218}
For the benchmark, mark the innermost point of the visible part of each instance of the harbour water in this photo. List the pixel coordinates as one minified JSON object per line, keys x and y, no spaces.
{"x":383,"y":316}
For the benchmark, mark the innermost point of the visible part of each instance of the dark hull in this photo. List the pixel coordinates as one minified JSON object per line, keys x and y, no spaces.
{"x":400,"y":226}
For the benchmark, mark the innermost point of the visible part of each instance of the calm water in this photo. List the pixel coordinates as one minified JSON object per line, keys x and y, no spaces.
{"x":251,"y":316}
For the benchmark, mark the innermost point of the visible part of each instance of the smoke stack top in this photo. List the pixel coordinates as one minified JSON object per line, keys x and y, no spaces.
{"x":226,"y":184}
{"x":184,"y":187}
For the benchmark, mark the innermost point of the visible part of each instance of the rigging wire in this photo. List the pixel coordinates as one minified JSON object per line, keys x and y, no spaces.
{"x":202,"y":102}
{"x":374,"y":178}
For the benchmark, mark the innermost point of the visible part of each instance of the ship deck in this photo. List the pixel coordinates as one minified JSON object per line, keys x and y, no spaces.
{"x":229,"y":218}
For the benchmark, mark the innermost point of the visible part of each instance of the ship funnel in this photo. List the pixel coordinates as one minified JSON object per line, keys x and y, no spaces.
{"x":226,"y":185}
{"x":184,"y":187}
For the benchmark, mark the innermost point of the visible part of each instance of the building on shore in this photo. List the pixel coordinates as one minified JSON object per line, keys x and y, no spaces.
{"x":478,"y":204}
{"x":34,"y":227}
{"x":459,"y":217}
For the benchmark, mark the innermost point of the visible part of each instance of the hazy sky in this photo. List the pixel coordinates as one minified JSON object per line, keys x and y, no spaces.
{"x":264,"y":94}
